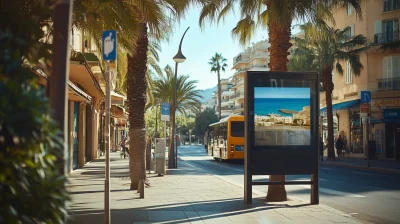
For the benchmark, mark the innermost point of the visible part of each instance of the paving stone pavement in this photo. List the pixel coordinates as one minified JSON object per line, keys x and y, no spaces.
{"x":184,"y":195}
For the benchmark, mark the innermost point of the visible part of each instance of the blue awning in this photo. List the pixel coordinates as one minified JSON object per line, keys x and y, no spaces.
{"x":344,"y":105}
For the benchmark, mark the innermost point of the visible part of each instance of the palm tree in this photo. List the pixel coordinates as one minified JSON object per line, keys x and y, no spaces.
{"x":218,"y":63}
{"x":154,"y":21}
{"x":329,"y":47}
{"x":277,"y":16}
{"x":187,"y":96}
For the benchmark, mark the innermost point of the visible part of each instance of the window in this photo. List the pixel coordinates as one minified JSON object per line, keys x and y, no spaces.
{"x":390,"y":5}
{"x":391,"y":67}
{"x":349,"y":73}
{"x":349,"y":9}
{"x":237,"y":129}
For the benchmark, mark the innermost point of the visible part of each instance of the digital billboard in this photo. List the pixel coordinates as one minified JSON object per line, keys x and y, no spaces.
{"x":282,"y":116}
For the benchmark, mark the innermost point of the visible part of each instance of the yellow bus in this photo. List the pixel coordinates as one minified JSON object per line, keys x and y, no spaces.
{"x":225,"y":139}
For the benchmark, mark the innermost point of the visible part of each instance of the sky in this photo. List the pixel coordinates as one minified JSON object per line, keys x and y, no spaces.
{"x":272,"y":92}
{"x":200,"y":45}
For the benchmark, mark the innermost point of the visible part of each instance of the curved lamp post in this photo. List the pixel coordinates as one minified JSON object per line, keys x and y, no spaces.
{"x":178,"y":58}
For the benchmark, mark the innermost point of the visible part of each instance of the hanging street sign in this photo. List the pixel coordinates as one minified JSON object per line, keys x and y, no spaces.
{"x":165,"y":111}
{"x":109,"y":45}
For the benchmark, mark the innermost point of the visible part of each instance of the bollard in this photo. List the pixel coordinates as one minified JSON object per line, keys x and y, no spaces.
{"x":141,"y":188}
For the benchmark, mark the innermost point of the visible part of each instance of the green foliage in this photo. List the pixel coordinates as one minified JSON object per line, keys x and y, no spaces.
{"x":31,"y":186}
{"x":187,"y":97}
{"x":203,"y":120}
{"x":324,"y":47}
{"x":256,"y":14}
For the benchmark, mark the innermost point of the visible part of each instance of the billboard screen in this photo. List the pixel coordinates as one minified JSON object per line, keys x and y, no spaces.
{"x":282,"y":116}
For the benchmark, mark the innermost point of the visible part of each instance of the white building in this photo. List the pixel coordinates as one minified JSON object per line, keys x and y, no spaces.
{"x":254,"y":58}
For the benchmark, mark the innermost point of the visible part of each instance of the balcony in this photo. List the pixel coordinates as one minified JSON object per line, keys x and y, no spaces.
{"x":391,"y":5}
{"x":383,"y":38}
{"x":389,"y":84}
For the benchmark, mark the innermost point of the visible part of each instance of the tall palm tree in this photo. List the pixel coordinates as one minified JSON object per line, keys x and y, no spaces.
{"x":218,"y":64}
{"x":277,"y":16}
{"x":329,"y":47}
{"x":153,"y":21}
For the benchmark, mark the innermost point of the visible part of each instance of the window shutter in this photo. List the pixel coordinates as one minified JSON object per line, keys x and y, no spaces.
{"x":352,"y":30}
{"x":378,"y":26}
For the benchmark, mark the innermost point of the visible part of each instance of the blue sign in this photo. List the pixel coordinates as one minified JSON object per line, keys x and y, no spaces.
{"x":109,"y":45}
{"x":365,"y":96}
{"x":165,"y":109}
{"x":391,"y":114}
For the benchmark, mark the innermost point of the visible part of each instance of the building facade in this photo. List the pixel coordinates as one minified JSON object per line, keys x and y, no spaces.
{"x":86,"y":98}
{"x":381,"y":76}
{"x":254,"y":58}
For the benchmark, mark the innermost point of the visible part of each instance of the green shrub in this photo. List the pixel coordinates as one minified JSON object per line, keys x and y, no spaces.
{"x":32,"y":187}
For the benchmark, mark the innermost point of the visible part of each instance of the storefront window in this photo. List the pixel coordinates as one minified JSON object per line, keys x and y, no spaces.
{"x":356,"y":133}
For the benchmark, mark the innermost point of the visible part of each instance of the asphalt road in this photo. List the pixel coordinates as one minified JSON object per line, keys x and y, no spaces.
{"x":370,"y":196}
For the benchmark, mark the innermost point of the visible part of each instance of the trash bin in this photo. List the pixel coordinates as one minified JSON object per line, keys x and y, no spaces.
{"x":371,"y":149}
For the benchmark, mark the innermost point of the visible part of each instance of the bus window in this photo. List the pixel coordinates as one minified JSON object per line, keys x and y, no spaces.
{"x":237,"y":129}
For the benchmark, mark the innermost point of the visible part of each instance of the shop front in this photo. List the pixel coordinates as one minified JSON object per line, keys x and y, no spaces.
{"x":346,"y":122}
{"x":386,"y":132}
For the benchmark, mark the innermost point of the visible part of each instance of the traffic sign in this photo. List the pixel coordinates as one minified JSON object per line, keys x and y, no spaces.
{"x":109,"y":45}
{"x":365,"y":96}
{"x":165,"y":111}
{"x":364,"y":109}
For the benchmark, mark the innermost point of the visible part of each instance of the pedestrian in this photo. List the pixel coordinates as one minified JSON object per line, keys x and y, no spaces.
{"x":321,"y":149}
{"x":339,"y":146}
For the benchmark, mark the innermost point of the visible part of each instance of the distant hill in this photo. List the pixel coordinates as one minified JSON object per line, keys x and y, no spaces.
{"x":207,"y":93}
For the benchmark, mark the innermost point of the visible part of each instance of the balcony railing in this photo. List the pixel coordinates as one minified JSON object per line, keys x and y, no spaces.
{"x":382,"y":38}
{"x":390,"y":5}
{"x":389,"y":84}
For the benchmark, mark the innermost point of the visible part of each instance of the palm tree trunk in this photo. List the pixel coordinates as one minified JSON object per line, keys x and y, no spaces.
{"x":279,"y":37}
{"x":327,"y":82}
{"x":148,"y":152}
{"x":136,"y":94}
{"x":219,"y":96}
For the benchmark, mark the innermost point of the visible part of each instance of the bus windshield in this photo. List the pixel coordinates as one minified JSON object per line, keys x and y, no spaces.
{"x":237,"y":129}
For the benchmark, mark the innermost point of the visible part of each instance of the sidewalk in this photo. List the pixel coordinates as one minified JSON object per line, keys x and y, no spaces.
{"x":184,"y":195}
{"x":389,"y":166}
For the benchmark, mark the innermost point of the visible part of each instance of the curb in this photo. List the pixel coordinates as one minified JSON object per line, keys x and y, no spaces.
{"x":361,"y":167}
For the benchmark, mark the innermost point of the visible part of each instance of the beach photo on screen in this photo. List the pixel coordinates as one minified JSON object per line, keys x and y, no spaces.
{"x":282,"y":116}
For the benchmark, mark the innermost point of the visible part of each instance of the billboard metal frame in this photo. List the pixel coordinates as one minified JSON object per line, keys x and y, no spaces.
{"x":281,"y":160}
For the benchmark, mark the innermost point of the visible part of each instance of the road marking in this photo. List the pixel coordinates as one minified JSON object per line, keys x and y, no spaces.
{"x":372,"y":174}
{"x":340,"y":193}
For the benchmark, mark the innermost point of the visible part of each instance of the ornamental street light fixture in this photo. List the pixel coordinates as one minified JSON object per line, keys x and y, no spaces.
{"x":173,"y":151}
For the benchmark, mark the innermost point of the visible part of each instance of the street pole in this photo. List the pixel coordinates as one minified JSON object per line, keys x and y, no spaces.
{"x":60,"y":72}
{"x":172,"y":164}
{"x":178,"y":58}
{"x":107,"y":217}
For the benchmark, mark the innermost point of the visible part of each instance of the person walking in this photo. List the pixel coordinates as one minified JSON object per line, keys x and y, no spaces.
{"x":339,"y":147}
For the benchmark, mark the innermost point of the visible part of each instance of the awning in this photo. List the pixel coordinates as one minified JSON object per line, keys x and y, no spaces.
{"x":81,"y":74}
{"x":343,"y":105}
{"x":117,"y":98}
{"x":118,"y":112}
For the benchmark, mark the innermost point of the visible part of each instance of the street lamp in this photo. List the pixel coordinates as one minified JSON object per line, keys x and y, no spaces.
{"x":178,"y":58}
